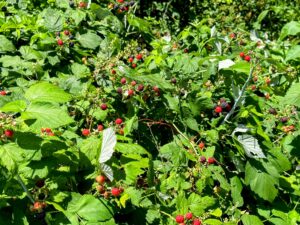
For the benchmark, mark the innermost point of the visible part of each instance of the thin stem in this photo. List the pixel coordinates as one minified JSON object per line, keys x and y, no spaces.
{"x":167,"y":214}
{"x":239,"y":99}
{"x":25,"y":188}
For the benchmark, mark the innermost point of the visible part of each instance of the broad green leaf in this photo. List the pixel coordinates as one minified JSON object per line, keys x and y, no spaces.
{"x":152,"y":214}
{"x":291,"y":28}
{"x":89,"y":208}
{"x":139,"y":23}
{"x":261,"y":183}
{"x":292,"y":97}
{"x":199,"y":204}
{"x":251,"y":220}
{"x":15,"y":106}
{"x":11,"y":155}
{"x":212,"y":222}
{"x":236,"y":190}
{"x":192,"y":123}
{"x":63,"y":3}
{"x":251,"y":146}
{"x":29,"y":53}
{"x":131,"y":124}
{"x":173,"y":102}
{"x":80,"y":70}
{"x":6,"y":45}
{"x":134,"y":194}
{"x":42,"y":114}
{"x":90,"y":147}
{"x":240,"y":67}
{"x":89,"y":40}
{"x":173,"y":152}
{"x":293,"y":54}
{"x":46,"y":92}
{"x":134,"y":169}
{"x":126,"y":149}
{"x":53,"y":20}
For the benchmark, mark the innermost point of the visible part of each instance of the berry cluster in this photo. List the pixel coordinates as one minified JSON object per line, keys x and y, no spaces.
{"x":47,"y":131}
{"x":121,"y":6}
{"x":7,"y":124}
{"x":209,"y":161}
{"x":104,"y":190}
{"x":66,"y":37}
{"x":245,"y":57}
{"x":222,"y":106}
{"x":187,"y":219}
{"x":135,"y":60}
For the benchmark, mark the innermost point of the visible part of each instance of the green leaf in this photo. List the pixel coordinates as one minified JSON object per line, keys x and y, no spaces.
{"x":240,"y":67}
{"x":89,"y":208}
{"x":126,"y":149}
{"x":199,"y":204}
{"x":291,"y":28}
{"x":11,"y":155}
{"x":53,"y":20}
{"x":134,"y":169}
{"x":46,"y":92}
{"x":213,"y":222}
{"x":251,"y":220}
{"x":29,"y":53}
{"x":42,"y":114}
{"x":62,"y":3}
{"x":80,"y":70}
{"x":6,"y":45}
{"x":292,"y":97}
{"x":261,"y":183}
{"x":15,"y":106}
{"x":236,"y":190}
{"x":89,"y":40}
{"x":152,"y":214}
{"x":293,"y":53}
{"x":192,"y":123}
{"x":173,"y":102}
{"x":90,"y":147}
{"x":139,"y":23}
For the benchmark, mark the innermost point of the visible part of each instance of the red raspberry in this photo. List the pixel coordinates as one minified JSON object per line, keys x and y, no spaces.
{"x":139,"y":56}
{"x":100,"y":179}
{"x":201,"y":145}
{"x":113,"y":72}
{"x":140,"y":87}
{"x":197,"y":222}
{"x":247,"y":58}
{"x":179,"y":219}
{"x":130,"y":92}
{"x":232,"y":35}
{"x":48,"y":130}
{"x":100,"y":127}
{"x":218,"y":109}
{"x":100,"y":189}
{"x":103,"y":106}
{"x":203,"y":159}
{"x":66,"y":32}
{"x":242,"y":54}
{"x":60,"y":42}
{"x":123,"y":80}
{"x":133,"y":83}
{"x":9,"y":133}
{"x":82,"y":4}
{"x":155,"y":89}
{"x":120,"y":1}
{"x":133,"y":65}
{"x":115,"y":192}
{"x":3,"y":93}
{"x":86,"y":132}
{"x":37,"y":206}
{"x":189,"y":216}
{"x":130,"y":59}
{"x":211,"y":160}
{"x":119,"y":121}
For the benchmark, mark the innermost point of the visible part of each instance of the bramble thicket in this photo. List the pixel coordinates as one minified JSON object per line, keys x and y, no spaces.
{"x":149,"y":112}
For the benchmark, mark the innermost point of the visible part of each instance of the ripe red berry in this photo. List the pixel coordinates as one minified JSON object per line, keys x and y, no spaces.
{"x":242,"y":54}
{"x":268,"y":80}
{"x":189,"y":216}
{"x":130,"y":92}
{"x":211,"y":160}
{"x":155,"y":89}
{"x":130,"y":59}
{"x":140,"y":87}
{"x":37,"y":205}
{"x":232,"y":35}
{"x":133,"y":83}
{"x":119,"y":90}
{"x":86,"y":132}
{"x":115,"y":192}
{"x":113,"y":72}
{"x":123,"y":80}
{"x":100,"y":179}
{"x":139,"y":56}
{"x":3,"y":93}
{"x":82,"y":4}
{"x":9,"y":133}
{"x":121,"y":1}
{"x":66,"y":32}
{"x":201,"y":145}
{"x":100,"y":127}
{"x":247,"y":58}
{"x":197,"y":222}
{"x":218,"y":109}
{"x":48,"y":130}
{"x":253,"y":87}
{"x":100,"y":189}
{"x":179,"y":219}
{"x":133,"y":65}
{"x":103,"y":106}
{"x":60,"y":42}
{"x":119,"y":121}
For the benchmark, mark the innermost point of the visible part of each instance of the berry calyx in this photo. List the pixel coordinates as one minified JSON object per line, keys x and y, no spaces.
{"x":9,"y":133}
{"x":218,"y":109}
{"x":242,"y":54}
{"x":139,"y":56}
{"x":197,"y":222}
{"x":103,"y":106}
{"x":123,"y":80}
{"x":60,"y":42}
{"x":211,"y":160}
{"x":100,"y":127}
{"x":119,"y":121}
{"x":189,"y":216}
{"x":179,"y":219}
{"x":115,"y":192}
{"x":86,"y":132}
{"x":100,"y":179}
{"x":247,"y":58}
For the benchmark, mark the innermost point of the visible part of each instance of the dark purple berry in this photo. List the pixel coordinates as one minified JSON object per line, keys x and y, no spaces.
{"x":272,"y":111}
